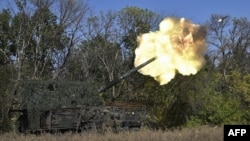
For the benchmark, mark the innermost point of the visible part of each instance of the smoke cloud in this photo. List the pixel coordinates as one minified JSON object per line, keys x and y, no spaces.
{"x":179,"y":46}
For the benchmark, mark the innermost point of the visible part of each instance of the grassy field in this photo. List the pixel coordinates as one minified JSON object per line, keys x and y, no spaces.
{"x":204,"y":133}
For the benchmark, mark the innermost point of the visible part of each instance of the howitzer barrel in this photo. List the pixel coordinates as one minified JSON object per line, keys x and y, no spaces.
{"x":115,"y":81}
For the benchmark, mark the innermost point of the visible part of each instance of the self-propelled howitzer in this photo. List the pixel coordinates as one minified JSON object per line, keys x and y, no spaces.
{"x":61,"y":106}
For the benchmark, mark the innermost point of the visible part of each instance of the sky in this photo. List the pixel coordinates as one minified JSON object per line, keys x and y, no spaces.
{"x":199,"y":11}
{"x":196,"y":10}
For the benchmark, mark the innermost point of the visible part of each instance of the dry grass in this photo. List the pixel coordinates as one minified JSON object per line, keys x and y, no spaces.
{"x":204,"y":133}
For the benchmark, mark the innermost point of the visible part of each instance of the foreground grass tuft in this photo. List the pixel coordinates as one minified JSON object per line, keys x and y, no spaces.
{"x":203,"y":133}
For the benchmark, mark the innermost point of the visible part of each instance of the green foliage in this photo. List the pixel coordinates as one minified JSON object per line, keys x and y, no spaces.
{"x":5,"y":99}
{"x":220,"y":107}
{"x":199,"y":100}
{"x":5,"y":19}
{"x":239,"y":86}
{"x":219,"y":110}
{"x":135,"y":21}
{"x":5,"y":69}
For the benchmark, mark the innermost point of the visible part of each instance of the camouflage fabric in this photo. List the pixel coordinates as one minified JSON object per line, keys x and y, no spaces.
{"x":38,"y":96}
{"x":71,"y":105}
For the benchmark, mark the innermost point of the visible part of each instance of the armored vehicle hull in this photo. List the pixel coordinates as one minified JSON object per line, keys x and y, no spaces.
{"x":59,"y":106}
{"x":84,"y":118}
{"x":41,"y":108}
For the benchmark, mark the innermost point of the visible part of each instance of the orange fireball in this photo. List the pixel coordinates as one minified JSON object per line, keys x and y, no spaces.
{"x":179,"y":46}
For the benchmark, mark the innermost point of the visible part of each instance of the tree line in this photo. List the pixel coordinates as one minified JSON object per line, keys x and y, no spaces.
{"x":65,"y":40}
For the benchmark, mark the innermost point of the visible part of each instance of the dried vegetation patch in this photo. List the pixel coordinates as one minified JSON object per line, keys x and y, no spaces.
{"x":203,"y":133}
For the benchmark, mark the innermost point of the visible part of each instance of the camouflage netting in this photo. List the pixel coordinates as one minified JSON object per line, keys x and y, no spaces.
{"x":38,"y":96}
